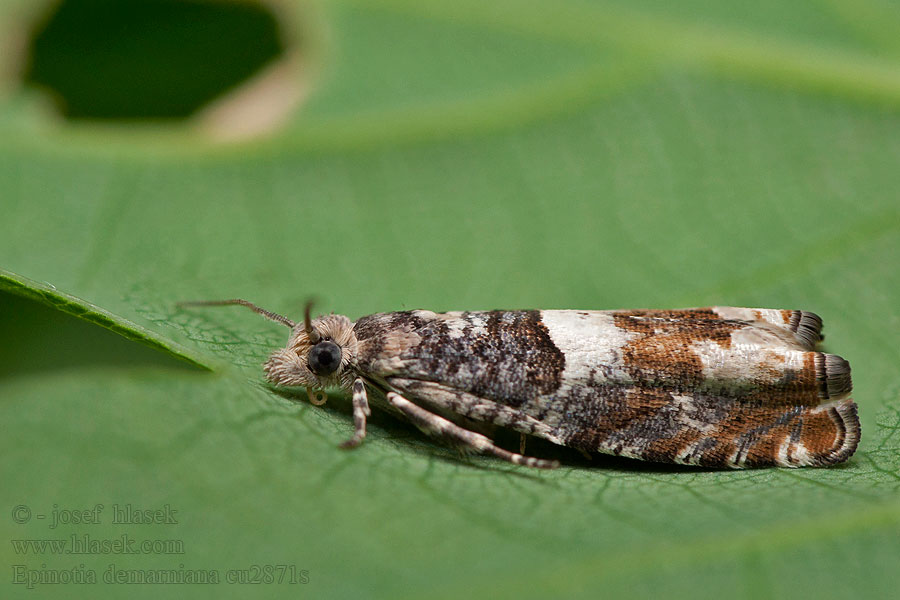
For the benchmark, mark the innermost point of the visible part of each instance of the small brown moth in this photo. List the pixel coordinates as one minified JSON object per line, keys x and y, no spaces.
{"x":716,"y":387}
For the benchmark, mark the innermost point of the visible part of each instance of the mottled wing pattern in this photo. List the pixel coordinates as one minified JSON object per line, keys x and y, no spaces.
{"x":718,"y":386}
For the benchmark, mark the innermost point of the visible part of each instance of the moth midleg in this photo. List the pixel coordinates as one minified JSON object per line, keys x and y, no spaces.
{"x":360,"y":412}
{"x":436,"y":425}
{"x":475,"y":407}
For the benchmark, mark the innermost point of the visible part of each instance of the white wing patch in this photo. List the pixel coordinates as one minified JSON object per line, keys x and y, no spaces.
{"x":588,"y":339}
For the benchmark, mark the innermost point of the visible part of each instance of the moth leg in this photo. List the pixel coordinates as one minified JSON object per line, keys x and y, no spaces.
{"x":439,"y":426}
{"x":360,"y":412}
{"x":522,"y":438}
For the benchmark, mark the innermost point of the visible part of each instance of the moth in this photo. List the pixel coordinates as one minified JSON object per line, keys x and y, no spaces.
{"x":716,"y":387}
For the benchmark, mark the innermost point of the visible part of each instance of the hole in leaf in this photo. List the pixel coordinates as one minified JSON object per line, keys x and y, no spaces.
{"x":148,"y":59}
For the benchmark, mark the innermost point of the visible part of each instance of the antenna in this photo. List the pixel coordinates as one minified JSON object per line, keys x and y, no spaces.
{"x":267,"y":314}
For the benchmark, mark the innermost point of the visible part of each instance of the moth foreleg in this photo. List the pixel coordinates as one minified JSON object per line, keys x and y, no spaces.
{"x":439,"y":426}
{"x":360,"y":412}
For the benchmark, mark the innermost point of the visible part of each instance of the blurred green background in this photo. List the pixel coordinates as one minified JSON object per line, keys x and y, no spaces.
{"x":447,"y":156}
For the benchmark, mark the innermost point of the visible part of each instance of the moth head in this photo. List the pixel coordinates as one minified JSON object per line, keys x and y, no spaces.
{"x":318,"y":354}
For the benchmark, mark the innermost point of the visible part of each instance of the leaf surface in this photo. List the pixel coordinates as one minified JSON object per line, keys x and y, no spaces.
{"x":459,"y":156}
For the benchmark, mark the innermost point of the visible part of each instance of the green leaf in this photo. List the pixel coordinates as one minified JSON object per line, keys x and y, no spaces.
{"x":456,"y":156}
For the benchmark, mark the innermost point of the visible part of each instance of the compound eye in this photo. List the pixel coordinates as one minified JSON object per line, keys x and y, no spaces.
{"x":324,"y":358}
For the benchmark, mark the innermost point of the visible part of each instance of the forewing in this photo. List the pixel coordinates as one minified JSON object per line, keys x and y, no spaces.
{"x":666,"y":426}
{"x":507,"y":356}
{"x":720,"y":386}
